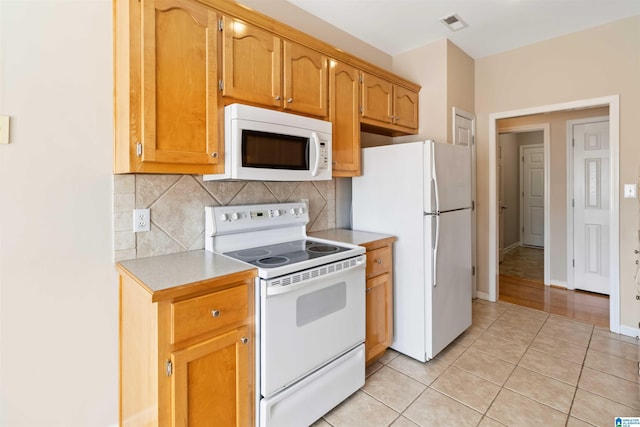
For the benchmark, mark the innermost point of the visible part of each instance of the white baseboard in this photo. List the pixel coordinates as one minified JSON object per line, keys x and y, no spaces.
{"x":483,"y":295}
{"x":629,"y":331}
{"x":511,"y":247}
{"x":560,"y":283}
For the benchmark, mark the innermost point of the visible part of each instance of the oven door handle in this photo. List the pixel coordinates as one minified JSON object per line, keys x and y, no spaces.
{"x":280,"y":289}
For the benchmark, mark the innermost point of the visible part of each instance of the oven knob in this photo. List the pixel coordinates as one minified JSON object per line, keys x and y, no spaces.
{"x":235,"y":216}
{"x":300,"y":211}
{"x":224,"y":217}
{"x":293,"y":211}
{"x":276,"y":213}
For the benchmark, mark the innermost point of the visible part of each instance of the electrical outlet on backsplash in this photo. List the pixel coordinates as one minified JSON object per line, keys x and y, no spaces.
{"x":177,"y":206}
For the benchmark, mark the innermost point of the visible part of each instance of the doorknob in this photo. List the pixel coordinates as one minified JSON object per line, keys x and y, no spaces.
{"x":503,"y":207}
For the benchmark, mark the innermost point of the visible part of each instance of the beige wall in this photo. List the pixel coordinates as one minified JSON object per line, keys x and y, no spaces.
{"x":427,"y":66}
{"x":295,"y":17}
{"x":446,"y":74}
{"x":558,"y":180}
{"x":598,"y":62}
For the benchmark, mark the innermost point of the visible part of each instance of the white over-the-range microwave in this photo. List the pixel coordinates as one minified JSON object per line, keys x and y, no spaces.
{"x":268,"y":145}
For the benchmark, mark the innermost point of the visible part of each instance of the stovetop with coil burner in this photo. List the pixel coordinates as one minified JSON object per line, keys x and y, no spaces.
{"x":287,"y":253}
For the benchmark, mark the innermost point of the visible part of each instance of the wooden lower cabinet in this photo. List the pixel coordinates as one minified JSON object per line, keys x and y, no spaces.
{"x":379,"y":289}
{"x":210,"y":379}
{"x":187,"y":359}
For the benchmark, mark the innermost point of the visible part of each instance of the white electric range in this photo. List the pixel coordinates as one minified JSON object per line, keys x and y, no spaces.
{"x":310,"y":309}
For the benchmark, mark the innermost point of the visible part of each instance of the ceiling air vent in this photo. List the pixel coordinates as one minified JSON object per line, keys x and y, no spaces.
{"x":453,"y":22}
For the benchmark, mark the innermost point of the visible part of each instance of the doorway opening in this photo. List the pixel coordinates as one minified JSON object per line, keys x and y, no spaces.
{"x":523,"y":181}
{"x":555,"y":243}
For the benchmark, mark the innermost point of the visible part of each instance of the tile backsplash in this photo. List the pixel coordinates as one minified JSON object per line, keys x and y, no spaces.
{"x":177,"y":202}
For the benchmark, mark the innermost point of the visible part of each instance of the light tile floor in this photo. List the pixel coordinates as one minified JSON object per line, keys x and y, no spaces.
{"x":515,"y":366}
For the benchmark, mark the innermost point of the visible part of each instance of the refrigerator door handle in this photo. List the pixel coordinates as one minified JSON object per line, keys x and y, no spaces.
{"x":434,"y":179}
{"x":434,"y":244}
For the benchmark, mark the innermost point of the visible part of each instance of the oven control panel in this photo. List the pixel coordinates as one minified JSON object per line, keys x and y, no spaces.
{"x":233,"y":219}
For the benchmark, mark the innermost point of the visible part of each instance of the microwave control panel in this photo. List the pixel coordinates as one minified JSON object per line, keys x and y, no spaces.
{"x":324,"y":155}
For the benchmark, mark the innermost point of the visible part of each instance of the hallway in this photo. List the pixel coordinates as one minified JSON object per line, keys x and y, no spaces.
{"x":522,"y":282}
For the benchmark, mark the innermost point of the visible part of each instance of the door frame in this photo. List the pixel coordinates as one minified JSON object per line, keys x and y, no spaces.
{"x":570,"y":193}
{"x":546,"y":142}
{"x":474,"y":212}
{"x":613,"y":102}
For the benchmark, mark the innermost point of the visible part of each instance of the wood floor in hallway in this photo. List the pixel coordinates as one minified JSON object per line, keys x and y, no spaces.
{"x":579,"y":305}
{"x":522,"y":282}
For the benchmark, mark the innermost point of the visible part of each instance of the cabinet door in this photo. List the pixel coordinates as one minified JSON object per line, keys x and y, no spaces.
{"x":377,"y":99}
{"x":405,"y":108}
{"x":251,"y":63}
{"x":379,"y":316}
{"x":344,"y":85}
{"x":179,"y":75}
{"x":210,"y":382}
{"x":305,"y":80}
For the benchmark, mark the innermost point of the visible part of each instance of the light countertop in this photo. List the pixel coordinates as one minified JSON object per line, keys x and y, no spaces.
{"x":355,"y":237}
{"x":159,"y":273}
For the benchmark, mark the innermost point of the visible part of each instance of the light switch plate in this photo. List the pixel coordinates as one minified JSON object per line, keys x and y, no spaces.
{"x":630,"y":191}
{"x":4,"y":129}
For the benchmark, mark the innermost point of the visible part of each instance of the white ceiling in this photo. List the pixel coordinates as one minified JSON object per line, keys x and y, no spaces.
{"x":396,"y":26}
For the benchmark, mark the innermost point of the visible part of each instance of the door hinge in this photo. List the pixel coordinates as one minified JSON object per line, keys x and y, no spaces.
{"x":473,"y":140}
{"x":522,"y":159}
{"x":139,"y":149}
{"x":473,"y":205}
{"x":169,"y":368}
{"x":573,"y":203}
{"x":220,"y":24}
{"x":573,"y":262}
{"x":361,"y":109}
{"x":473,"y":270}
{"x":221,"y":85}
{"x":573,"y":142}
{"x":523,"y":229}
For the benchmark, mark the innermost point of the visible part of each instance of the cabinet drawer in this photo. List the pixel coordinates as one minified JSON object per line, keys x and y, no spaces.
{"x":210,"y":312}
{"x":379,"y":261}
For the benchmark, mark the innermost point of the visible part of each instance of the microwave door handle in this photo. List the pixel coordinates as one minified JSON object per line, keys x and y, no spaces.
{"x":316,"y":146}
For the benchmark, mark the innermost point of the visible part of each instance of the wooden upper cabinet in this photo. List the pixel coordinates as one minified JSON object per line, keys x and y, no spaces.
{"x":261,"y":68}
{"x":377,"y":99}
{"x":166,"y":88}
{"x":344,"y":88}
{"x":251,"y":63}
{"x":405,"y":107}
{"x":305,"y":80}
{"x":388,"y":108}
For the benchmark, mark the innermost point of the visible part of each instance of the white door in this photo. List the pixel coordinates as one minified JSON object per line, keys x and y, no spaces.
{"x":464,"y":131}
{"x":532,"y":188}
{"x":501,"y":204}
{"x":591,"y":206}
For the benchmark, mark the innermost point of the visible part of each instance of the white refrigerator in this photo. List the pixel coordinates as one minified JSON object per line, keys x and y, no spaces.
{"x":420,"y":192}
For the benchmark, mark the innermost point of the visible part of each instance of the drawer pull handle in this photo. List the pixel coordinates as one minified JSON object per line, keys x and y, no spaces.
{"x":244,"y":340}
{"x":215,"y":313}
{"x":379,"y":260}
{"x":289,"y":101}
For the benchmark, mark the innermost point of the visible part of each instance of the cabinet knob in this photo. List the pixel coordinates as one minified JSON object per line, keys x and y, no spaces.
{"x":244,"y":340}
{"x":278,"y":98}
{"x":290,"y":100}
{"x":214,"y":154}
{"x":379,"y":261}
{"x":368,"y":290}
{"x":215,"y":313}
